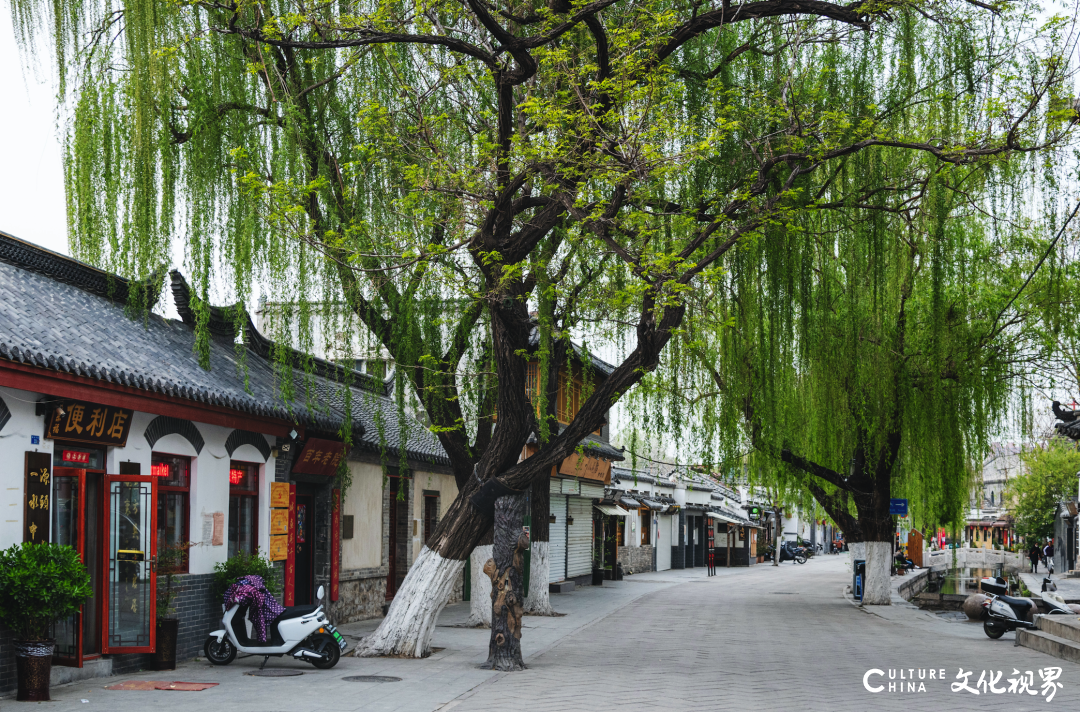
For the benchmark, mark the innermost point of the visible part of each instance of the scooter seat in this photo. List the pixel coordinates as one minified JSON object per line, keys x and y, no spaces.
{"x":296,"y":612}
{"x":1019,"y":604}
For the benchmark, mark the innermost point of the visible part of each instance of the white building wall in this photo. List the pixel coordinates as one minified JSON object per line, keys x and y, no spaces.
{"x":663,"y":541}
{"x":14,"y":442}
{"x":364,"y":502}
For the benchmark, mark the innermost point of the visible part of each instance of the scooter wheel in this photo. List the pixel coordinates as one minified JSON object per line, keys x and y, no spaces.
{"x":993,"y":629}
{"x":219,"y":653}
{"x":325,"y":645}
{"x":800,"y":559}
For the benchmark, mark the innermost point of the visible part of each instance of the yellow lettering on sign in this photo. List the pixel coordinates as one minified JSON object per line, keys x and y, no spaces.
{"x":97,"y":422}
{"x":74,"y":421}
{"x":116,"y":430}
{"x":33,"y":531}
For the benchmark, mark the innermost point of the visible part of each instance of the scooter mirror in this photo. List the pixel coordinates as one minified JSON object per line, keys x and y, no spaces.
{"x":319,"y":594}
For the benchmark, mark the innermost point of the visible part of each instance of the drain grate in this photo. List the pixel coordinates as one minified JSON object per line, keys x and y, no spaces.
{"x":274,"y":672}
{"x":371,"y":678}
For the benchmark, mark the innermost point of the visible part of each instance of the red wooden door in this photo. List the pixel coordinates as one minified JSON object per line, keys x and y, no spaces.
{"x":129,"y":608}
{"x":69,"y":529}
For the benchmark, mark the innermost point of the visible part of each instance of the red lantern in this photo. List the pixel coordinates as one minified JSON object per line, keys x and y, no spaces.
{"x":236,"y":476}
{"x":159,"y":470}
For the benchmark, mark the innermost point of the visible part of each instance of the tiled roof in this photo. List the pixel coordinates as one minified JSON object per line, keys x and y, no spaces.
{"x":59,"y":314}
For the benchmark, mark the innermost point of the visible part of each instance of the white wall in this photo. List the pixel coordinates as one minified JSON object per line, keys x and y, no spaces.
{"x":445,"y":485}
{"x":663,"y":542}
{"x":14,"y":442}
{"x":364,"y":501}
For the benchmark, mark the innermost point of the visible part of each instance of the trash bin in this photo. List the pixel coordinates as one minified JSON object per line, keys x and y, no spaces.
{"x":858,"y":578}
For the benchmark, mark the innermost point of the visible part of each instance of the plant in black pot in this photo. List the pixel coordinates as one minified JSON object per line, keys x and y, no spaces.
{"x":39,"y":585}
{"x":170,"y":560}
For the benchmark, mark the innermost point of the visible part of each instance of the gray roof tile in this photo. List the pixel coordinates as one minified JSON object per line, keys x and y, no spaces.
{"x":60,"y":314}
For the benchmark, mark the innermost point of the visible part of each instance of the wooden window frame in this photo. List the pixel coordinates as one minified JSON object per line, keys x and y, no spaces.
{"x":646,"y":526}
{"x":252,"y":494}
{"x":160,"y":491}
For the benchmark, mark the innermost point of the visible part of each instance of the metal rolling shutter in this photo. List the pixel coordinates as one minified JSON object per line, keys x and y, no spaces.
{"x":579,"y":538}
{"x":557,"y":539}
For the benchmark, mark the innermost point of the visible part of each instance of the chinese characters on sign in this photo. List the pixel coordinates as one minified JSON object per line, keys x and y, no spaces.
{"x":320,"y":457}
{"x":1019,"y":684}
{"x":82,"y":458}
{"x":37,"y":489}
{"x":279,"y":521}
{"x":89,"y":423}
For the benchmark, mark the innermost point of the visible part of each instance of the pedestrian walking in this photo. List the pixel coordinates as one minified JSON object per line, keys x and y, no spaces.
{"x":1034,"y":556}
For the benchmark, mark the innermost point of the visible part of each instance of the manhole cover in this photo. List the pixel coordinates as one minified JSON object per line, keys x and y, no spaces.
{"x":275,"y":672}
{"x":371,"y":678}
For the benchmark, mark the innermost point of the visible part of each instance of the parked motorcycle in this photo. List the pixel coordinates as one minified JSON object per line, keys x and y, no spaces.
{"x":1005,"y":613}
{"x":788,"y":552}
{"x":303,"y":632}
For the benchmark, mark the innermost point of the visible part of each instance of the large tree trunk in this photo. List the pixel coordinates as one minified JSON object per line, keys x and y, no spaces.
{"x":538,"y":598}
{"x":776,"y":538}
{"x":480,"y":584}
{"x":410,"y":622}
{"x":507,"y":596}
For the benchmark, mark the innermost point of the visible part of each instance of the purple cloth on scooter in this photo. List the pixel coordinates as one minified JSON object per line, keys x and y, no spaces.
{"x":262,"y":606}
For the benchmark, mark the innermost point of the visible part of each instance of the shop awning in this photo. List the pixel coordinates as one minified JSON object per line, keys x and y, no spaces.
{"x":609,"y":510}
{"x":630,"y":502}
{"x":653,"y":504}
{"x":723,"y":518}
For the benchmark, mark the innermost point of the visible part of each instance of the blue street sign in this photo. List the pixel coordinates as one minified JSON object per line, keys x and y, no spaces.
{"x":898,"y":506}
{"x":34,"y":440}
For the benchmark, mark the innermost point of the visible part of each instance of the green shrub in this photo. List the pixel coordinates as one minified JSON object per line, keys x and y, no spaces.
{"x":243,"y":564}
{"x":39,"y":585}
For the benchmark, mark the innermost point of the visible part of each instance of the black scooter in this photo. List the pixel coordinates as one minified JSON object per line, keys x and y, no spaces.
{"x":788,"y":552}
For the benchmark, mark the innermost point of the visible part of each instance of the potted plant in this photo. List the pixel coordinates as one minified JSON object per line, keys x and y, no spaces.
{"x":170,"y":559}
{"x":39,"y":585}
{"x":762,"y":549}
{"x":240,"y":565}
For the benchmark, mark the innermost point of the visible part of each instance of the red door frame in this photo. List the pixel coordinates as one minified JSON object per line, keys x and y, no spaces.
{"x":80,"y":544}
{"x":290,"y":560}
{"x":107,"y":553}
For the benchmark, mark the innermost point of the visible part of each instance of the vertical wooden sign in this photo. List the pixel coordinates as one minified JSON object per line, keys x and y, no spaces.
{"x":36,"y":491}
{"x":290,"y":561}
{"x":335,"y":542}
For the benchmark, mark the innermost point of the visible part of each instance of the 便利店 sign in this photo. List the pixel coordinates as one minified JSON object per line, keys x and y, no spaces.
{"x":89,"y":423}
{"x":320,"y":457}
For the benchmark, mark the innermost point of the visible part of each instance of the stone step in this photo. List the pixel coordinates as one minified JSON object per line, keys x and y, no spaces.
{"x":1049,"y":644}
{"x":1067,"y":627}
{"x":1073,"y":574}
{"x":60,"y":675}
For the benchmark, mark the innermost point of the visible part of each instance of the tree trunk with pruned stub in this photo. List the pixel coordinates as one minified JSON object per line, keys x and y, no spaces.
{"x":506,"y":569}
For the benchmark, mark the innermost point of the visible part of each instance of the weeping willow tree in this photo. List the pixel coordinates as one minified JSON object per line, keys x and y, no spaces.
{"x":443,"y":168}
{"x":869,"y":344}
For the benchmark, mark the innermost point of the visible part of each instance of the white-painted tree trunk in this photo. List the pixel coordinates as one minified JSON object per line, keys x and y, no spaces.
{"x":410,"y":622}
{"x":877,"y":591}
{"x":538,"y":598}
{"x":856,"y":550}
{"x":480,"y":588}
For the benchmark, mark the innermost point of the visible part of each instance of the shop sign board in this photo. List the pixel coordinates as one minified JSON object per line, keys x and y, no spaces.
{"x":82,"y":422}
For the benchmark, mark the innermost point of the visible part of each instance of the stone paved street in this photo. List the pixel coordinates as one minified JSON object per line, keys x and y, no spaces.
{"x":778,"y":638}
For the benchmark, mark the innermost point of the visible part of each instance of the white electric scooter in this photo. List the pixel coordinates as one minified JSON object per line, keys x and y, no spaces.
{"x":300,"y":631}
